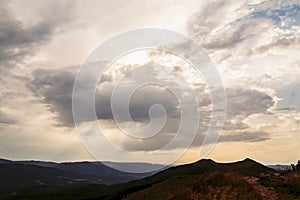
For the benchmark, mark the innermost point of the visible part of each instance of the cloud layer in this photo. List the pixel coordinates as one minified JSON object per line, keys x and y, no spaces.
{"x":254,"y":45}
{"x":56,"y":89}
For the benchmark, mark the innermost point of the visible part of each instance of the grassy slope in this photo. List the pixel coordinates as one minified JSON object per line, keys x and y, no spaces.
{"x":214,"y":185}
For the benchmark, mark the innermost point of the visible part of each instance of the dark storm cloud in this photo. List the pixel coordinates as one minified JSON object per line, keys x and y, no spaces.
{"x":55,"y":87}
{"x":139,"y":104}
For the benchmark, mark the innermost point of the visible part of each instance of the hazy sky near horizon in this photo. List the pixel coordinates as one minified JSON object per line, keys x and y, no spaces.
{"x":254,"y":44}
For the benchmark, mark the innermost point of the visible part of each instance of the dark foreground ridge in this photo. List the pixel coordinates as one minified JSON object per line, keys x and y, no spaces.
{"x":204,"y":179}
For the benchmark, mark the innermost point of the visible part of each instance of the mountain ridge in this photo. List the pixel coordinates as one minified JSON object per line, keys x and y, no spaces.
{"x":201,"y":178}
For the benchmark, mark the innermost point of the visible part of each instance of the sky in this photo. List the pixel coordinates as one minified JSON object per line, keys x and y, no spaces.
{"x":254,"y":46}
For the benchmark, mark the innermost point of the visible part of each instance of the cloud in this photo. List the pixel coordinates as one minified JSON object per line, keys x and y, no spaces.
{"x":246,"y":40}
{"x":285,"y":109}
{"x":242,"y":103}
{"x":290,"y":98}
{"x":6,"y":119}
{"x":166,"y":136}
{"x":203,"y":26}
{"x":246,"y":102}
{"x":245,"y":136}
{"x":19,"y":40}
{"x":233,"y":25}
{"x":236,"y":136}
{"x":55,"y":87}
{"x":234,"y":28}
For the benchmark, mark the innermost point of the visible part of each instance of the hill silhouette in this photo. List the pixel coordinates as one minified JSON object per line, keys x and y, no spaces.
{"x":204,"y":179}
{"x":19,"y":177}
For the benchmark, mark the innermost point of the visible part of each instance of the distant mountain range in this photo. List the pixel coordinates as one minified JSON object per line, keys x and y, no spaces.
{"x":280,"y":167}
{"x":204,"y":179}
{"x":16,"y":175}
